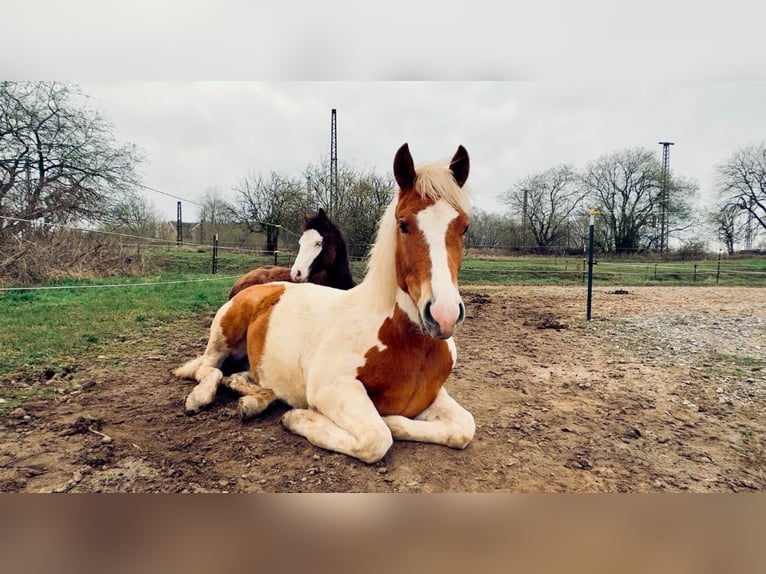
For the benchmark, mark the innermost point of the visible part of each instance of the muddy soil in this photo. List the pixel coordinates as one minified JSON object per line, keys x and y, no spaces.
{"x":664,"y":390}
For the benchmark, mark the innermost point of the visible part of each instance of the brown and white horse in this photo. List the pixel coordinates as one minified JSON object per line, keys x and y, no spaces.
{"x":322,"y":259}
{"x":365,"y":366}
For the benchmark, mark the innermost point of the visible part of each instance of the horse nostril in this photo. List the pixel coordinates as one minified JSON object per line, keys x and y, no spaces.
{"x":461,"y":316}
{"x":298,"y":274}
{"x":427,"y":314}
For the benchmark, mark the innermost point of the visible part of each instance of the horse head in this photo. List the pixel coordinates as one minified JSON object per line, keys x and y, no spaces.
{"x":323,"y":254}
{"x":431,"y":216}
{"x":310,"y":247}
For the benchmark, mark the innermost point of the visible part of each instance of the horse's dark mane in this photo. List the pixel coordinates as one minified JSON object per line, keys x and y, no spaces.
{"x":337,"y":274}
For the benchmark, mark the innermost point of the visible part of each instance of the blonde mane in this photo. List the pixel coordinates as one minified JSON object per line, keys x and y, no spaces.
{"x":433,"y":181}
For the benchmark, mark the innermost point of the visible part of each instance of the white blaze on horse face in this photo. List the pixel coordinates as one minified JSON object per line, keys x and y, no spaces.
{"x":443,"y":295}
{"x":310,"y":247}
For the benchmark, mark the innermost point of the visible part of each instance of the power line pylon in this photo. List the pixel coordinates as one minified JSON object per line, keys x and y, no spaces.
{"x":333,"y":162}
{"x":664,"y":196}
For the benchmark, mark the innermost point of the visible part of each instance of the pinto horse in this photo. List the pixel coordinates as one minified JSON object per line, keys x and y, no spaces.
{"x":365,"y":366}
{"x":322,"y":259}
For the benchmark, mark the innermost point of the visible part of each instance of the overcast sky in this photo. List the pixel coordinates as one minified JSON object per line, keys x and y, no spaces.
{"x":200,"y":135}
{"x":579,"y":78}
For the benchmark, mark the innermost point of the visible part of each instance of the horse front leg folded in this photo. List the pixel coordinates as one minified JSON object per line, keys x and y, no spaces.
{"x":204,"y":392}
{"x":444,"y":422}
{"x":344,"y":420}
{"x":206,"y":368}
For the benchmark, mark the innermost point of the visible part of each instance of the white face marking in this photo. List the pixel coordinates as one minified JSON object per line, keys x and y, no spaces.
{"x":445,"y":298}
{"x":310,"y":247}
{"x":433,"y":222}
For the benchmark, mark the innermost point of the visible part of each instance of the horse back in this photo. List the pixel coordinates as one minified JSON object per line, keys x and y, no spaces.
{"x":265,"y":274}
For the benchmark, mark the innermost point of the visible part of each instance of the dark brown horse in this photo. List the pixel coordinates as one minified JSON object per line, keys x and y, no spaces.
{"x":322,"y":259}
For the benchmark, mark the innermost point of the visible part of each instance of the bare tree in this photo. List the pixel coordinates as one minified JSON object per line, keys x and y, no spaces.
{"x":133,"y":214}
{"x":364,"y":202}
{"x":491,"y":231}
{"x":625,"y":186}
{"x":726,"y":220}
{"x":545,"y":203}
{"x":265,"y":203}
{"x":215,"y":208}
{"x":58,"y":159}
{"x":358,"y":203}
{"x":214,"y":211}
{"x":742,"y":189}
{"x":268,"y":203}
{"x":59,"y":164}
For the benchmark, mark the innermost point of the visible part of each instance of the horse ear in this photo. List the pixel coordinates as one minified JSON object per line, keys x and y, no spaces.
{"x":404,"y":168}
{"x":321,"y":213}
{"x":460,"y":165}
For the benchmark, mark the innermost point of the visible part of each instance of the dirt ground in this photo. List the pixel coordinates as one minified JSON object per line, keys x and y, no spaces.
{"x":664,"y":390}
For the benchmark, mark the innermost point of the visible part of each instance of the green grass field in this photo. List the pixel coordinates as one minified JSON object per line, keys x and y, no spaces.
{"x":618,"y":272}
{"x":53,"y":330}
{"x":490,"y":270}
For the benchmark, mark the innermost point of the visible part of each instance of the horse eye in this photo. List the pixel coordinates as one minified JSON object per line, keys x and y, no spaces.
{"x":318,"y":244}
{"x":465,"y":230}
{"x":403,"y":227}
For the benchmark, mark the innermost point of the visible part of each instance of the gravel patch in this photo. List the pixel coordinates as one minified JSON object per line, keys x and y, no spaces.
{"x":684,"y":338}
{"x":724,"y":353}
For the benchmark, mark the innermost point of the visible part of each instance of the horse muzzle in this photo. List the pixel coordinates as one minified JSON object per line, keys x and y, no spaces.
{"x":298,"y":275}
{"x":440,"y":322}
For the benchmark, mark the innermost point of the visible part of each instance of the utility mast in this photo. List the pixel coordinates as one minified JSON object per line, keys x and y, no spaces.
{"x":664,"y":196}
{"x":333,"y":163}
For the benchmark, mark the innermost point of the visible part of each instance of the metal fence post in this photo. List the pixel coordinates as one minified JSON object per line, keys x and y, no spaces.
{"x":276,"y":245}
{"x":591,"y":222}
{"x":718,"y":269}
{"x":215,"y":253}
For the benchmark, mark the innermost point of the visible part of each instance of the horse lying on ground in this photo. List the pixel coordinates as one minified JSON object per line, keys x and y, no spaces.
{"x":322,"y":259}
{"x":365,"y":366}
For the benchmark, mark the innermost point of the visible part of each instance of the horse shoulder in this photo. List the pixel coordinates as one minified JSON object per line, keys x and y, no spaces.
{"x":297,"y":337}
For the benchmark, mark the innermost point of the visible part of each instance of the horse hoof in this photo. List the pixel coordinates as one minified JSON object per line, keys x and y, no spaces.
{"x":250,"y":406}
{"x":192,"y":406}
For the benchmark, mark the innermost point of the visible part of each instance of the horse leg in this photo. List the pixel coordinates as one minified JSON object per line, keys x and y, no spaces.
{"x":345,"y":420}
{"x":443,"y":422}
{"x":242,"y":383}
{"x":253,"y":404}
{"x":203,"y":393}
{"x":254,"y":400}
{"x":206,"y":369}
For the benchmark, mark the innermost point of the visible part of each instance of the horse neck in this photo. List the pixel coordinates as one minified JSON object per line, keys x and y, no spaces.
{"x":341,"y":267}
{"x":341,"y":275}
{"x":379,"y":286}
{"x":338,"y":276}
